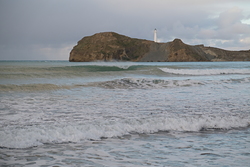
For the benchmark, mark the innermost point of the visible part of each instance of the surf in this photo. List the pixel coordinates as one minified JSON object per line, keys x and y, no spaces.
{"x":205,"y":71}
{"x":156,"y":83}
{"x":59,"y":132}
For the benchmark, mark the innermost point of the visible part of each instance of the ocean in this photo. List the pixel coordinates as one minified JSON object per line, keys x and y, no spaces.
{"x":126,"y":114}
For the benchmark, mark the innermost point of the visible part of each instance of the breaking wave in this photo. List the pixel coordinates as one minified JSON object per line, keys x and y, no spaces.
{"x":124,"y":83}
{"x":205,"y":71}
{"x":133,"y":83}
{"x":94,"y":68}
{"x":144,"y":83}
{"x":68,"y":71}
{"x":35,"y":135}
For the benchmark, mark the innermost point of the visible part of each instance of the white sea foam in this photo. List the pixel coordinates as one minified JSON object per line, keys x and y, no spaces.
{"x":145,"y":83}
{"x":205,"y":71}
{"x":35,"y":135}
{"x":124,"y":114}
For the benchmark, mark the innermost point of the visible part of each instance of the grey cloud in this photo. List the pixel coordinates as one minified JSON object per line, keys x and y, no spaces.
{"x":230,"y":17}
{"x":47,"y":28}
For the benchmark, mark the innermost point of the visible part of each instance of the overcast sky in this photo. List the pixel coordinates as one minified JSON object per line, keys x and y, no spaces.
{"x":48,"y":29}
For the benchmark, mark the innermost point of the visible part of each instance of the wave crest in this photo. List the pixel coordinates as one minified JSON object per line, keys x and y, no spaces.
{"x":29,"y":136}
{"x":205,"y":71}
{"x":146,"y":83}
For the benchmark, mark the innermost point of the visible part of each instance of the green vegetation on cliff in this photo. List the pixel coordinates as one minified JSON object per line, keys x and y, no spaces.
{"x":108,"y":46}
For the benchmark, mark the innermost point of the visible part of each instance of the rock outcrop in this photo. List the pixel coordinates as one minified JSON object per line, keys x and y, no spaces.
{"x":110,"y":46}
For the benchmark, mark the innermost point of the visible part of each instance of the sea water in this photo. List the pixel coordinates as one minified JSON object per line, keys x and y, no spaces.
{"x":57,"y":113}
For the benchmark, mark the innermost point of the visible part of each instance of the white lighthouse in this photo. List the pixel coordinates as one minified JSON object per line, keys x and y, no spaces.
{"x":155,"y":36}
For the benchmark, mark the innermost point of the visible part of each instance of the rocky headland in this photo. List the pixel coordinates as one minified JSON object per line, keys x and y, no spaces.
{"x":110,"y":46}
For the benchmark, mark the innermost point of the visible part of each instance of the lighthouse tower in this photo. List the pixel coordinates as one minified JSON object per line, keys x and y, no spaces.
{"x":155,"y":36}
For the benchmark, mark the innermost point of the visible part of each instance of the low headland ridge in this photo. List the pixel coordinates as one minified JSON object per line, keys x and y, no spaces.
{"x":110,"y":46}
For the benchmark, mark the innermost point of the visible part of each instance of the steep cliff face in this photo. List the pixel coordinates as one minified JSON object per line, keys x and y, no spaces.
{"x":110,"y":46}
{"x":180,"y":52}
